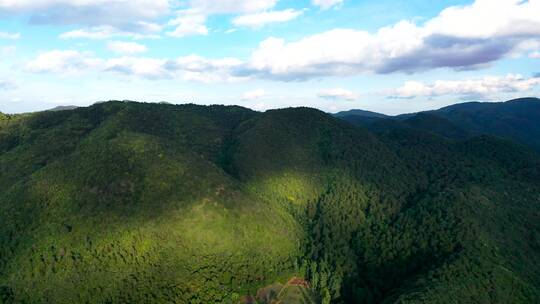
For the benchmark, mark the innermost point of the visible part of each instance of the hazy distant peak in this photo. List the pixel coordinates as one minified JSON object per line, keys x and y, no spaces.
{"x":63,"y":108}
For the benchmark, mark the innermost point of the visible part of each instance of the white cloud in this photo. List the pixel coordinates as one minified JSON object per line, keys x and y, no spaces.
{"x":338,"y":94}
{"x":188,"y":23}
{"x":535,"y":55}
{"x":467,"y":37}
{"x":191,"y":68}
{"x":105,"y":19}
{"x":402,"y":47}
{"x":254,"y":95}
{"x":263,"y":18}
{"x":232,"y":6}
{"x":142,"y":67}
{"x":99,"y":32}
{"x":488,"y":19}
{"x":6,"y":85}
{"x":197,"y":68}
{"x":122,"y":13}
{"x":148,"y":28}
{"x":145,"y":30}
{"x":326,"y":4}
{"x":192,"y":20}
{"x":62,"y":62}
{"x":8,"y":50}
{"x":472,"y":88}
{"x":12,"y":36}
{"x":126,"y":47}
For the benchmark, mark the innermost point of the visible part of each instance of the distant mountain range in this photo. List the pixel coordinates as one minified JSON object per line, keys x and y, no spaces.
{"x":63,"y":108}
{"x":517,"y":120}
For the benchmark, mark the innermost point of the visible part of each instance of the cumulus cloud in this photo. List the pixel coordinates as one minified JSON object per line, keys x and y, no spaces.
{"x":200,"y":69}
{"x":192,"y":68}
{"x":263,"y":18}
{"x":8,"y":50}
{"x":99,"y":32}
{"x":141,"y":30}
{"x":103,"y":19}
{"x":254,"y":95}
{"x":6,"y":85}
{"x":63,"y":62}
{"x":338,"y":94}
{"x":326,"y":4}
{"x":232,"y":6}
{"x":121,"y":13}
{"x":461,"y":38}
{"x":485,"y":19}
{"x":189,"y":22}
{"x":483,"y":33}
{"x":126,"y":47}
{"x":12,"y":36}
{"x":474,"y":88}
{"x":192,"y":21}
{"x":149,"y":68}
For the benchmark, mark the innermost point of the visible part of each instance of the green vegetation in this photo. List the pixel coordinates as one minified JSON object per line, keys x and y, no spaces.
{"x":126,"y":202}
{"x":515,"y":120}
{"x":296,"y":290}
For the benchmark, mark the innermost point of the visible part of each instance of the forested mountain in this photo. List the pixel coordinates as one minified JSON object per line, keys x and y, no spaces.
{"x":518,"y":120}
{"x":63,"y":108}
{"x":125,"y":202}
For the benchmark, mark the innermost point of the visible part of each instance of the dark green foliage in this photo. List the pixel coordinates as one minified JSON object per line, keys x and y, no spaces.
{"x":134,"y":203}
{"x":517,"y":120}
{"x":6,"y":295}
{"x":361,"y":117}
{"x":361,"y":113}
{"x":437,"y":125}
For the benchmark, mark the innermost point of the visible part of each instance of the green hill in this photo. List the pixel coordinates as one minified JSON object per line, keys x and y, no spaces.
{"x":516,"y":120}
{"x":126,"y":202}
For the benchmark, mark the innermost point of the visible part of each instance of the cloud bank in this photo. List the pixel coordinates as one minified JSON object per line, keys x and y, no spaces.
{"x":267,"y":17}
{"x":119,"y":13}
{"x":459,"y":38}
{"x":487,"y":87}
{"x":11,"y":36}
{"x":326,"y":4}
{"x":338,"y":94}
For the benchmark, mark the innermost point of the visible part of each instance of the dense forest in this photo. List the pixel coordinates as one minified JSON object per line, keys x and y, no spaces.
{"x":125,"y":202}
{"x":517,"y":120}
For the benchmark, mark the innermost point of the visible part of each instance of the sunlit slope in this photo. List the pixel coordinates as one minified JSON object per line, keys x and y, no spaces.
{"x":294,"y":154}
{"x":123,"y":203}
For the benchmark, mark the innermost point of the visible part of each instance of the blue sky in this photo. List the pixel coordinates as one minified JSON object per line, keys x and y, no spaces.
{"x":385,"y":56}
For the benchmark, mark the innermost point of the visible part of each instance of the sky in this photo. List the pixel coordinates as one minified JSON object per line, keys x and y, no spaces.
{"x":388,"y":56}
